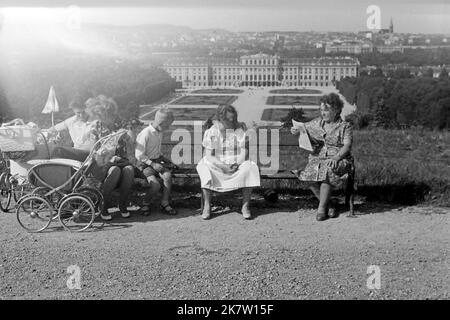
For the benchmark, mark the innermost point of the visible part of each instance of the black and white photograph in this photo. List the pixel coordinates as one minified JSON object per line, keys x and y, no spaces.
{"x":224,"y":155}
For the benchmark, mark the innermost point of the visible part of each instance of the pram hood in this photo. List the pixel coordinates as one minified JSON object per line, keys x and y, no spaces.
{"x":53,"y":172}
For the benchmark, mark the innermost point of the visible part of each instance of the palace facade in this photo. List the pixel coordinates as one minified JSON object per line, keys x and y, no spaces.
{"x":261,"y":70}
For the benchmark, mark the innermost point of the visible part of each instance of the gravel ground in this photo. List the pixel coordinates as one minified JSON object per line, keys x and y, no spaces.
{"x":283,"y":253}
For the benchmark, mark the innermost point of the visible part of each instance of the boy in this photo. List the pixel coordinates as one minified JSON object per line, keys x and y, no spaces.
{"x":82,"y":131}
{"x":151,"y":162}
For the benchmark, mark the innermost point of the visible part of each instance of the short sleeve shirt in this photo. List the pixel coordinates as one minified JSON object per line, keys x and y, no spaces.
{"x":82,"y":133}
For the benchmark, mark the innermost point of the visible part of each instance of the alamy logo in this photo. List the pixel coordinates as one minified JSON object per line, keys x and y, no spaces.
{"x":263,"y":146}
{"x":374,"y":279}
{"x":74,"y":280}
{"x":374,"y":20}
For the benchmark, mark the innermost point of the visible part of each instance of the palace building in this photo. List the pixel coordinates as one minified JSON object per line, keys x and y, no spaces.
{"x":261,"y":70}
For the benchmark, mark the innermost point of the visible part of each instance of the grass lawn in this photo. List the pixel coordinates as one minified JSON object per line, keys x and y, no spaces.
{"x":299,"y":91}
{"x":205,"y":100}
{"x":183,"y":114}
{"x":396,"y":166}
{"x":276,"y":114}
{"x":227,"y":91}
{"x":293,"y":100}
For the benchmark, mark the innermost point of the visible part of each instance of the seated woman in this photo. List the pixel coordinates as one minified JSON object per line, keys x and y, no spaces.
{"x":224,"y":166}
{"x":331,"y":161}
{"x":118,"y":172}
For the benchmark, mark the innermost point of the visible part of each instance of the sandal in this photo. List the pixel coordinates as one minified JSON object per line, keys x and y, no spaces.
{"x":167,"y":209}
{"x":321,"y":216}
{"x":124,"y":212}
{"x":145,"y":210}
{"x":206,"y":215}
{"x":332,"y":210}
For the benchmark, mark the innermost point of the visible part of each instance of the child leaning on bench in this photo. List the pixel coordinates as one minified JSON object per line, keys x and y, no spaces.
{"x":156,"y":168}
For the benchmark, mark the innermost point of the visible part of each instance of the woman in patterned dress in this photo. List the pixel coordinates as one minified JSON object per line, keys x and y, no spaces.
{"x":331,"y":161}
{"x":224,"y":166}
{"x":118,"y":172}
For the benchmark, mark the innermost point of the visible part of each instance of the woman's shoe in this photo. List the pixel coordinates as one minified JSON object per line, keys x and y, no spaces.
{"x":145,"y":210}
{"x":206,"y":215}
{"x":124,"y":212}
{"x":246,"y":213}
{"x":167,"y":209}
{"x":332,"y":211}
{"x":321,"y":216}
{"x":106,"y":216}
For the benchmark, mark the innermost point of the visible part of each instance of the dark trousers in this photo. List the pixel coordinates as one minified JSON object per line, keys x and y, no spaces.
{"x":121,"y":178}
{"x":70,"y":153}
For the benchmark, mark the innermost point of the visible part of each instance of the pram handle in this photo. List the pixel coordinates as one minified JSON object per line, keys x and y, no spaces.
{"x":100,"y":142}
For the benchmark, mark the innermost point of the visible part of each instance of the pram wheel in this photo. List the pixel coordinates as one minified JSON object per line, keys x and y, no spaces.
{"x":76,"y":212}
{"x":5,"y":192}
{"x":34,"y":213}
{"x":53,"y":198}
{"x":18,"y":192}
{"x":94,"y":195}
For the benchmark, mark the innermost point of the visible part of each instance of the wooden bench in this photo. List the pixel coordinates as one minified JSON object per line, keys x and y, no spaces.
{"x":288,"y":154}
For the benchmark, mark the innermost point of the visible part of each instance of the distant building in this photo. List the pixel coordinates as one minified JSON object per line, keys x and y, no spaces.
{"x":262,"y":70}
{"x":349,"y":47}
{"x":389,"y":49}
{"x":389,"y":30}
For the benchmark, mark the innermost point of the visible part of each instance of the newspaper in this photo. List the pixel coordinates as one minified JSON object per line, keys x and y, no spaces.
{"x":303,"y":138}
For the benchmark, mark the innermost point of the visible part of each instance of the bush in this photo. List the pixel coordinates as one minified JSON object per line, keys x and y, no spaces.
{"x":359,"y":120}
{"x":296,"y":114}
{"x":401,"y":102}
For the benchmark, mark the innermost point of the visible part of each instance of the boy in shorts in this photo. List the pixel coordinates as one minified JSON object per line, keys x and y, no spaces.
{"x":150,"y":161}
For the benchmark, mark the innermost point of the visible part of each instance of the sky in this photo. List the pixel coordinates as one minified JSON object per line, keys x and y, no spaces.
{"x":409,"y":16}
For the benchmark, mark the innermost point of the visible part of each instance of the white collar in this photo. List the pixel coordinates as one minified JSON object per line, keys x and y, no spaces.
{"x":153,"y":129}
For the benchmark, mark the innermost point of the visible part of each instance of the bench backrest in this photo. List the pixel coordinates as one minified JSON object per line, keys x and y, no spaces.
{"x":273,"y":149}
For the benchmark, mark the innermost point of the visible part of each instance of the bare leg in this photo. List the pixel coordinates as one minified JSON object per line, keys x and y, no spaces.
{"x":110,"y":183}
{"x":153,"y":189}
{"x":325,"y":194}
{"x":315,"y":188}
{"x":151,"y":192}
{"x":206,"y":214}
{"x":246,"y":195}
{"x":126,"y":182}
{"x":166,"y":188}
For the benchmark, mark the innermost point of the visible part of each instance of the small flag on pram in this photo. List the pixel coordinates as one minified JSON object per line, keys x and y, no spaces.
{"x":52,"y":104}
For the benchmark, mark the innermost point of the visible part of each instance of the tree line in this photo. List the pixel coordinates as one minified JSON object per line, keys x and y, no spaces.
{"x":411,"y":57}
{"x":398,"y":102}
{"x":24,"y":90}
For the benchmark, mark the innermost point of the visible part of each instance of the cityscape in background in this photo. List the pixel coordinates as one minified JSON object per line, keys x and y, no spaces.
{"x":375,"y":97}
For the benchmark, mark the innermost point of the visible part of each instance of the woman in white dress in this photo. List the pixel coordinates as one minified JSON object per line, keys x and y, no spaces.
{"x":225,"y":166}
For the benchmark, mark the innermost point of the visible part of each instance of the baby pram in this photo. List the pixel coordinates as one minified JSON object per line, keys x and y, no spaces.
{"x":59,"y":190}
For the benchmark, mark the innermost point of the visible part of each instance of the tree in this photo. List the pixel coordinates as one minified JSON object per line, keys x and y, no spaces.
{"x":296,"y":114}
{"x":377,"y":73}
{"x":382,"y":117}
{"x":363,"y":73}
{"x":400,"y":102}
{"x":402,"y":73}
{"x":443,"y":74}
{"x":429,"y":73}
